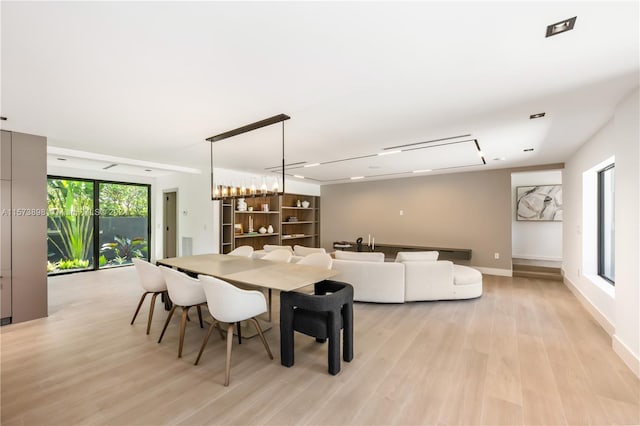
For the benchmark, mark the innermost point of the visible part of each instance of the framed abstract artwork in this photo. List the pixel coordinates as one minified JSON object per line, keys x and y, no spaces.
{"x":539,"y":203}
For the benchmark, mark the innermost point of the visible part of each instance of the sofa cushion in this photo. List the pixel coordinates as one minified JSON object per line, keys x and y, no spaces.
{"x":363,"y":256}
{"x":304,"y":251}
{"x":271,"y":247}
{"x":416,"y":256}
{"x":464,"y":275}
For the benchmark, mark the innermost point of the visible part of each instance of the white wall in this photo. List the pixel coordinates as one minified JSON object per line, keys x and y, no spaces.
{"x":535,"y":240}
{"x":195,"y":212}
{"x":616,"y":308}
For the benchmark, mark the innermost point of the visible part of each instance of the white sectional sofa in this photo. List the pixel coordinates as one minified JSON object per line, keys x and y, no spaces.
{"x":412,"y":277}
{"x":297,"y":251}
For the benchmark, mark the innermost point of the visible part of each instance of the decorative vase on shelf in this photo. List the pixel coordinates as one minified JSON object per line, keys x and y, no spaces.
{"x":242,"y":205}
{"x":270,"y":229}
{"x":262,"y":230}
{"x":305,"y":204}
{"x":298,"y":203}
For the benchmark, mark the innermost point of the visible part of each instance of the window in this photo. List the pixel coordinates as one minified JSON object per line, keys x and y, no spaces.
{"x":95,"y":224}
{"x":70,"y":233}
{"x":606,"y":223}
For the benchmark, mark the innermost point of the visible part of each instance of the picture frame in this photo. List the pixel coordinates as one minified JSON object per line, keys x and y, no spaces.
{"x":237,"y":229}
{"x":539,"y":203}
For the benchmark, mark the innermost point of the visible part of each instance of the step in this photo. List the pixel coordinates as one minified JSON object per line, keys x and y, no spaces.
{"x":535,"y":271}
{"x":536,"y":268}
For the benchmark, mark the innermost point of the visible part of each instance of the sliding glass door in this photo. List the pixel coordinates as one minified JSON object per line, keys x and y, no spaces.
{"x":123,"y":223}
{"x":70,"y":206}
{"x":96,"y":224}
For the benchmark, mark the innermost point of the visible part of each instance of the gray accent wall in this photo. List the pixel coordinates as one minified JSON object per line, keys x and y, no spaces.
{"x":461,"y":210}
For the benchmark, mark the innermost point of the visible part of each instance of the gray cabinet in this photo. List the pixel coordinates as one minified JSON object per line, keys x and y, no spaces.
{"x":23,"y":227}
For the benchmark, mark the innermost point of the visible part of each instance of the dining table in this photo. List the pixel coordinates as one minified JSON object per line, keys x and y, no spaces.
{"x":247,"y":271}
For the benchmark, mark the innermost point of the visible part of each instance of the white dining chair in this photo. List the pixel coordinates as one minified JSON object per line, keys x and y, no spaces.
{"x":230,"y":304}
{"x":277,"y":255}
{"x":242,"y":251}
{"x":184,"y":292}
{"x":283,"y":256}
{"x":321,"y":260}
{"x":152,"y":281}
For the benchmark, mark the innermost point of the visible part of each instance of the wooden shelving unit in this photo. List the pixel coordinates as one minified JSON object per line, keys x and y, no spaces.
{"x":300,"y":225}
{"x":291,"y":224}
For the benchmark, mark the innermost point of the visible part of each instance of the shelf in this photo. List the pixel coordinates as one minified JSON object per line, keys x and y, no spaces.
{"x":291,"y":237}
{"x":281,"y":207}
{"x":255,"y":235}
{"x":257,"y":212}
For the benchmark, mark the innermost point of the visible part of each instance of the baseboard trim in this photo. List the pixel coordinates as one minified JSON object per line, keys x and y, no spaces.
{"x":595,"y":313}
{"x":627,"y":356}
{"x":495,"y":271}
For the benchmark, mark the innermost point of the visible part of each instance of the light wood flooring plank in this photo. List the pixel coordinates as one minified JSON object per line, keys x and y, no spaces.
{"x":526,"y":352}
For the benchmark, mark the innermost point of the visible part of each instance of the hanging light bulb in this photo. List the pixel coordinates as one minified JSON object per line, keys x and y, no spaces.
{"x":276,"y":187}
{"x":253,"y":186}
{"x":224,"y":191}
{"x":243,"y":189}
{"x":263,"y":187}
{"x":233,"y":190}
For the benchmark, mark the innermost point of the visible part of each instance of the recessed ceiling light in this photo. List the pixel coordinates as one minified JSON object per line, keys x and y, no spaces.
{"x":298,"y":176}
{"x":312,"y":165}
{"x":422,"y":171}
{"x":538,"y":115}
{"x":560,"y":27}
{"x":389,"y":152}
{"x":356,"y":177}
{"x":148,"y":170}
{"x":528,"y":150}
{"x":61,"y":159}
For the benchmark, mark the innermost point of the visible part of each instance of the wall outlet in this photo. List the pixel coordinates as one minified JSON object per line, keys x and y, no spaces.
{"x":496,"y":255}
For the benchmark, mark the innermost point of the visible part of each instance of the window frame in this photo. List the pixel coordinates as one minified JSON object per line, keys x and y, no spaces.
{"x":95,"y":251}
{"x":601,"y":226}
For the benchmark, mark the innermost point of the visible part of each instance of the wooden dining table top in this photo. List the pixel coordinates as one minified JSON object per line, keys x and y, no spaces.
{"x":249,"y":271}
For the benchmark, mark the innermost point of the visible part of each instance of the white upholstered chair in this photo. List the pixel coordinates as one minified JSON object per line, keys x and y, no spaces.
{"x":229,"y":304}
{"x":242,"y":251}
{"x":283,"y":256}
{"x":277,"y":255}
{"x":184,"y":292}
{"x":321,"y":260}
{"x":152,"y":281}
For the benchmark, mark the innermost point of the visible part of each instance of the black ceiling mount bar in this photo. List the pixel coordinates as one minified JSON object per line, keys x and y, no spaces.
{"x":249,"y":127}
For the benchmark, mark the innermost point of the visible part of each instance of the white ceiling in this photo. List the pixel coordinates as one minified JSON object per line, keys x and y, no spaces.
{"x":151,"y":81}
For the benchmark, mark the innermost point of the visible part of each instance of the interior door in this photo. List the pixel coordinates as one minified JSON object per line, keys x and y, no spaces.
{"x":170,"y":226}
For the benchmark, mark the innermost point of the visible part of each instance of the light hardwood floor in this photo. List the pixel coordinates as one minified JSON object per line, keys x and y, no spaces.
{"x":524,"y":353}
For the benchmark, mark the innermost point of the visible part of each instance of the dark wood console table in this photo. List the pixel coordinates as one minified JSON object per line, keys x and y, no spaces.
{"x":391,"y":250}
